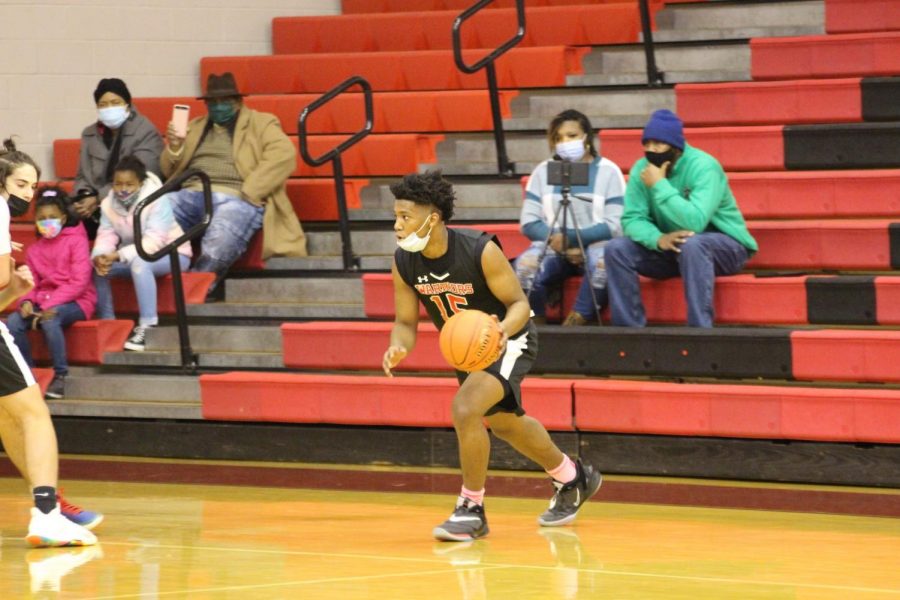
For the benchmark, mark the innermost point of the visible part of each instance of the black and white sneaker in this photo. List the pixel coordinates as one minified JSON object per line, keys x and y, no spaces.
{"x":467,"y":523}
{"x":57,"y":388}
{"x":570,"y":497}
{"x":137,"y":341}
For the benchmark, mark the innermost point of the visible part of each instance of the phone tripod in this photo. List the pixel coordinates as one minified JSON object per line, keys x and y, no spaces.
{"x":565,"y":210}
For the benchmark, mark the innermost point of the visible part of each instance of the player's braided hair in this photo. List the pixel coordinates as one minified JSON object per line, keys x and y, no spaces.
{"x":428,"y":188}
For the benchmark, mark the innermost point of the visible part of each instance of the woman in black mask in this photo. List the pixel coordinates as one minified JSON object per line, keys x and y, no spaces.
{"x":25,"y":427}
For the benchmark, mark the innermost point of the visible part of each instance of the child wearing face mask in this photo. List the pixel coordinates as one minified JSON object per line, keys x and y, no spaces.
{"x":595,"y":211}
{"x":115,"y":253}
{"x":62,"y":293}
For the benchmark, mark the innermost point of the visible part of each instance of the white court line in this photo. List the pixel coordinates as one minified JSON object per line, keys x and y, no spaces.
{"x":483,"y":566}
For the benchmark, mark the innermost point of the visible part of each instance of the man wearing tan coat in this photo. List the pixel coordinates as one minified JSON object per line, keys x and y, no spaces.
{"x":248,"y":159}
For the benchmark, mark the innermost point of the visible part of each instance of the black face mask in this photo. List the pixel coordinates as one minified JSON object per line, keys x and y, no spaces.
{"x":17,"y":206}
{"x":658,"y":159}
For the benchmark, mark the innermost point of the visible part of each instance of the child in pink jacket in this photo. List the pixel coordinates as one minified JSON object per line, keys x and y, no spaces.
{"x":63,"y":293}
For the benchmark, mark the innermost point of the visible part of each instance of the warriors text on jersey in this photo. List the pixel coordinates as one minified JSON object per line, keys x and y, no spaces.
{"x":454,"y":281}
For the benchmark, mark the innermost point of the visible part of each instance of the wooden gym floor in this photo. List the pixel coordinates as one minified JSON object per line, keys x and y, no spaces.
{"x":185,"y":540}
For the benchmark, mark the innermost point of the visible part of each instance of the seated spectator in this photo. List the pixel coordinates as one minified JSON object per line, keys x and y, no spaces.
{"x":248,"y":159}
{"x":680,"y":219}
{"x":119,"y":131}
{"x":115,"y":253}
{"x":595,"y":213}
{"x":60,"y":262}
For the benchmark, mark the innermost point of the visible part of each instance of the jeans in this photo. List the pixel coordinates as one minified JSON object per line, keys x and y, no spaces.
{"x":233,"y":224}
{"x":554,"y":269}
{"x":66,"y":314}
{"x":144,"y":275}
{"x":703,"y":256}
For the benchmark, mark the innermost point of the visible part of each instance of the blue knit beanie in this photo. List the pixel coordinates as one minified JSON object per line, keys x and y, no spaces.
{"x":664,"y":126}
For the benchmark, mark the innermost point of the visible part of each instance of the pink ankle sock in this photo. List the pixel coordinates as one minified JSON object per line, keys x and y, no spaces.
{"x":565,"y":472}
{"x":476,"y":497}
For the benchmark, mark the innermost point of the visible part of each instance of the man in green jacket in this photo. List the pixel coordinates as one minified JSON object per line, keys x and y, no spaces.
{"x":680,"y":219}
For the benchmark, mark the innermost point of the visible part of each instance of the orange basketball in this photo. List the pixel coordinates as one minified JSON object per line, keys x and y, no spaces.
{"x":470,"y":340}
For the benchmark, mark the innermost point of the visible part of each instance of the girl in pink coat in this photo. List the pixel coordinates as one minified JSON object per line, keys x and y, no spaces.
{"x":63,"y":292}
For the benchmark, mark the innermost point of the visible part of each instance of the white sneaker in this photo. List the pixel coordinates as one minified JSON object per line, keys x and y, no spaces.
{"x":53,"y":529}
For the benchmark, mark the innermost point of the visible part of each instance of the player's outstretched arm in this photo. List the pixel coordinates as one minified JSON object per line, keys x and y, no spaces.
{"x":406,"y":322}
{"x":504,"y":284}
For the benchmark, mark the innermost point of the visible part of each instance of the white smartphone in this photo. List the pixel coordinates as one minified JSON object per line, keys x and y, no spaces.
{"x":180,"y":115}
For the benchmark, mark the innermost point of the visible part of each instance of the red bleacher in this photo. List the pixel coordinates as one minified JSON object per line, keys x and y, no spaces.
{"x":759,"y":148}
{"x":395,"y":71}
{"x":195,"y":288}
{"x":852,"y":244}
{"x":764,"y":103}
{"x":742,"y":411}
{"x":352,"y":7}
{"x":855,"y":16}
{"x":826,"y":56}
{"x":86,"y":341}
{"x":578,"y":25}
{"x":394,"y":112}
{"x":863,"y":355}
{"x":361,"y":399}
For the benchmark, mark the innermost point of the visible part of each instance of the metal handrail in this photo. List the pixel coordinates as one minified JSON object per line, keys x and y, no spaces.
{"x":188,"y":358}
{"x":504,"y":166}
{"x":655,"y":77}
{"x":351,"y":261}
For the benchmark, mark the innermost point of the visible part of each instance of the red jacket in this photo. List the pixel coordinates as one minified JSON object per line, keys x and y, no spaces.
{"x":62,"y":271}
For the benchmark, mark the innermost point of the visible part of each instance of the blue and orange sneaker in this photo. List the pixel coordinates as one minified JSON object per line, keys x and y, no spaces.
{"x":86,"y":518}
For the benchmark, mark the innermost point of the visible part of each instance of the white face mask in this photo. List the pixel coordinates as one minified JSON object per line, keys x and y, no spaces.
{"x":573,"y":150}
{"x":112,"y":116}
{"x":414,"y":243}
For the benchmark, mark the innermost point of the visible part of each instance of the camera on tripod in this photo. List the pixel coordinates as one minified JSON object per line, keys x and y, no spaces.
{"x":566,"y":174}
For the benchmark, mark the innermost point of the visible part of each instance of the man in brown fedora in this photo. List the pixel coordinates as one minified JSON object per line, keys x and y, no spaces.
{"x":248,"y":159}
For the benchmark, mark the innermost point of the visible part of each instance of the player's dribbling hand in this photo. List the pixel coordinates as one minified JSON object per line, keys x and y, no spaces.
{"x":17,"y":246}
{"x":392,"y":358}
{"x":504,"y":338}
{"x":22,"y":281}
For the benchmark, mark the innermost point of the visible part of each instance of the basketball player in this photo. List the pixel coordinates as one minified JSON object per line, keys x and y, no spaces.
{"x":25,"y":427}
{"x":450,"y":270}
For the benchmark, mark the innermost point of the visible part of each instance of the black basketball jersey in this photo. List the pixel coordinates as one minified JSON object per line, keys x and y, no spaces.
{"x":454,"y":281}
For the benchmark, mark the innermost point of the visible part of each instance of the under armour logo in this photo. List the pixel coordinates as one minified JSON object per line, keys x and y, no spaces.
{"x":422,"y":278}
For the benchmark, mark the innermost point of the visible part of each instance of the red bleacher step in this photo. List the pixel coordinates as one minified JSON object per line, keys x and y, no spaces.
{"x":398,"y":6}
{"x":814,"y":244}
{"x":757,"y":148}
{"x":395,"y":71}
{"x":361,"y":399}
{"x":86,"y":341}
{"x":195,"y":288}
{"x":741,"y":411}
{"x":847,"y":355}
{"x":768,"y":102}
{"x":826,"y":56}
{"x":385,"y":154}
{"x":817,"y":194}
{"x":855,"y":16}
{"x":393,"y":112}
{"x":577,"y":25}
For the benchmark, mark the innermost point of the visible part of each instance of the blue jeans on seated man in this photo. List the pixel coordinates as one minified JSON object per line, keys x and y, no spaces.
{"x":66,"y":314}
{"x":555,"y":269}
{"x":703,"y":257}
{"x":144,"y":275}
{"x":234,"y":222}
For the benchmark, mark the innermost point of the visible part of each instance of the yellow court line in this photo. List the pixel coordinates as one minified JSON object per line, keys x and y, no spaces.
{"x":727,"y":580}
